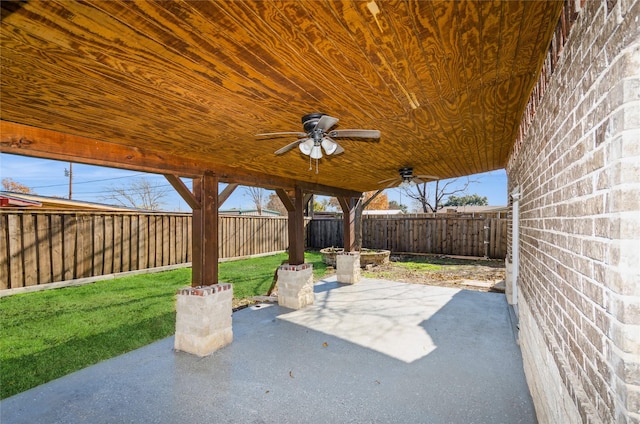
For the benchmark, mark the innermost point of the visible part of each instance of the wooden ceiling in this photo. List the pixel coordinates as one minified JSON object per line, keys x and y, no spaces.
{"x":190,"y":83}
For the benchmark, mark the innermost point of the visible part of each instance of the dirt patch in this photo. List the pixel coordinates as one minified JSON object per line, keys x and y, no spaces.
{"x":444,"y":271}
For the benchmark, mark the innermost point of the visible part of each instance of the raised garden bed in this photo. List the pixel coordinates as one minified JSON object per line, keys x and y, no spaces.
{"x":367,"y":256}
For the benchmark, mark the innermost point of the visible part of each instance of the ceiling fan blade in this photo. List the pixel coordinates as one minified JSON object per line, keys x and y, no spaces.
{"x":277,"y":134}
{"x":427,"y":177}
{"x":326,"y":122}
{"x":355,"y":133}
{"x":289,"y":146}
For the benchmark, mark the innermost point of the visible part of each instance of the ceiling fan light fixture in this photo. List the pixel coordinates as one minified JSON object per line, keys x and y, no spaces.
{"x":306,"y":147}
{"x":406,"y":183}
{"x":316,"y":152}
{"x":329,"y":146}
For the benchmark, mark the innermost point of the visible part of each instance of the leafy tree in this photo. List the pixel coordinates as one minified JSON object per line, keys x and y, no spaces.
{"x":430,"y":194}
{"x":320,"y":205}
{"x":333,"y":204}
{"x":380,"y":202}
{"x":394,"y":205}
{"x":8,"y":184}
{"x":139,"y":194}
{"x":275,"y":204}
{"x":471,"y":199}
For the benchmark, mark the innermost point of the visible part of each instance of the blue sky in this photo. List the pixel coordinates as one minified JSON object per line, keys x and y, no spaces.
{"x":91,"y":183}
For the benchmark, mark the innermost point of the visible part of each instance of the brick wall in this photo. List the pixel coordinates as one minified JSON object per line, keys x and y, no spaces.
{"x":577,"y":166}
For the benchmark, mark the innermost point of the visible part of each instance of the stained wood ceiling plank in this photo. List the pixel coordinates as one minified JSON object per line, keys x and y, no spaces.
{"x":57,"y":56}
{"x":315,"y":86}
{"x":198,"y":79}
{"x":382,"y":45}
{"x":521,"y":92}
{"x":490,"y":20}
{"x":410,"y":45}
{"x":439,"y":53}
{"x":209,"y":61}
{"x":312,"y":35}
{"x":306,"y":31}
{"x":123,"y":96}
{"x":467,"y":18}
{"x":348,"y":24}
{"x":363,"y":28}
{"x":128,"y":122}
{"x":511,"y":19}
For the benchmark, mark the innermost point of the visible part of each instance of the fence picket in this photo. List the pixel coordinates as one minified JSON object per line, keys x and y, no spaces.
{"x":43,"y":245}
{"x":49,"y":246}
{"x":15,"y":252}
{"x":420,"y":234}
{"x":4,"y":253}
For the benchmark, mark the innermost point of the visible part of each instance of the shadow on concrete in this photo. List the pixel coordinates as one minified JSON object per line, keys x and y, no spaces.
{"x":377,"y":351}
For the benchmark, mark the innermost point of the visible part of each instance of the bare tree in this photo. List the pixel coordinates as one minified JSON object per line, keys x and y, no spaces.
{"x":139,"y":194}
{"x":430,"y":197}
{"x":258,"y":196}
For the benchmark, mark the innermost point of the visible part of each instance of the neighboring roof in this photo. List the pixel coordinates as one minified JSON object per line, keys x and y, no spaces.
{"x":45,"y":202}
{"x":382,"y":212}
{"x":7,"y":200}
{"x":183,"y":87}
{"x":473,"y":209}
{"x":250,"y":212}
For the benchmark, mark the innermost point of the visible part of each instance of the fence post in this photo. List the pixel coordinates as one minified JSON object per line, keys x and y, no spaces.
{"x":487,"y":235}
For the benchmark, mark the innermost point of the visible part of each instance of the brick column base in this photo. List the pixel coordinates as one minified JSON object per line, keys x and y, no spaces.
{"x":295,"y":286}
{"x":203,"y":319}
{"x":348,"y":267}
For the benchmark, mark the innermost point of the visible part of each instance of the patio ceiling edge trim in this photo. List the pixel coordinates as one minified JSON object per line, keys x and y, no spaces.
{"x":26,"y":140}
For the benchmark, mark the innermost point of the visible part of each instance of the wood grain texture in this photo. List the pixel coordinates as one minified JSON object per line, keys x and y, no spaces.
{"x":183,"y":86}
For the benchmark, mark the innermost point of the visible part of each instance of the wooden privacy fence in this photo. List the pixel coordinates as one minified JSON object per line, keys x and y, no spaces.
{"x":40,"y":247}
{"x":467,"y":236}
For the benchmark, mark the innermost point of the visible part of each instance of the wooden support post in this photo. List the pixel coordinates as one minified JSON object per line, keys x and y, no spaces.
{"x":205,"y":231}
{"x":348,"y":205}
{"x":295,"y":209}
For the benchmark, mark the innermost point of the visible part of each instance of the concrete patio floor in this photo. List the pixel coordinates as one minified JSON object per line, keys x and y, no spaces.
{"x":374,"y":352}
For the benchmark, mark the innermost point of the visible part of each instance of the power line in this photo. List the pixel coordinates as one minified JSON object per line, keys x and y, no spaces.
{"x":91,"y":181}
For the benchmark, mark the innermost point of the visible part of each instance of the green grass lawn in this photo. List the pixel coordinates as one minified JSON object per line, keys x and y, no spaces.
{"x":45,"y":335}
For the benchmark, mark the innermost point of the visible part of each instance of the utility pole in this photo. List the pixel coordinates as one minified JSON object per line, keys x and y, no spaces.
{"x":69,"y":173}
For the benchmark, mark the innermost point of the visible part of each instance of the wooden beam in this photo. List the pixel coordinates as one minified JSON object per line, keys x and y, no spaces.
{"x":296,"y":229}
{"x":26,"y":140}
{"x":370,"y":199}
{"x":224,"y":195}
{"x":326,"y":190}
{"x":348,"y":205}
{"x":295,"y":213}
{"x":31,"y":141}
{"x":204,"y":269}
{"x":285,"y":199}
{"x":183,"y":191}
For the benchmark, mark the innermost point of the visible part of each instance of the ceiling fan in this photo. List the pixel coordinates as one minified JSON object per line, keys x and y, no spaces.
{"x":318,"y":135}
{"x":407,"y":179}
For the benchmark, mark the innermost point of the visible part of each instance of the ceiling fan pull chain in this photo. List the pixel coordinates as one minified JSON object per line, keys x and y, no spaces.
{"x":316,"y":166}
{"x":310,"y":166}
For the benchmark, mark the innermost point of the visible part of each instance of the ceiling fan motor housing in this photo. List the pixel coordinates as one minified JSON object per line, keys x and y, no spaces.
{"x":310,"y":120}
{"x":406,"y":173}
